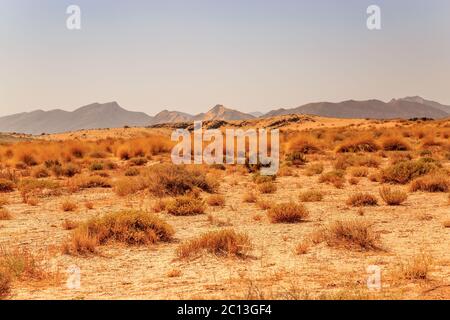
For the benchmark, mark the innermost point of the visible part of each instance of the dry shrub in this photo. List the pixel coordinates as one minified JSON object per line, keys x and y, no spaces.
{"x":69,"y":224}
{"x":40,"y":172}
{"x":5,"y":214}
{"x":185,"y":206}
{"x":361,"y":199}
{"x":302,"y":247}
{"x":285,"y":171}
{"x":431,"y":142}
{"x":304,"y":145}
{"x":264,"y":204}
{"x":351,"y":234}
{"x":249,"y":197}
{"x":20,"y":264}
{"x":173,"y":273}
{"x":32,"y":201}
{"x":86,"y":182}
{"x":132,"y":172}
{"x":68,"y":205}
{"x":311,"y":196}
{"x":314,"y":169}
{"x":344,"y":161}
{"x":216,"y":200}
{"x":220,"y":243}
{"x":128,"y":185}
{"x":358,"y":145}
{"x":267,"y":187}
{"x":395,"y":144}
{"x":159,"y":205}
{"x":431,"y":183}
{"x":287,"y":213}
{"x":139,"y":161}
{"x":33,"y":188}
{"x":129,"y":227}
{"x":359,"y":172}
{"x":173,"y":180}
{"x":335,"y":178}
{"x":405,"y":171}
{"x":70,"y":170}
{"x":96,"y":166}
{"x":417,"y":268}
{"x":446,"y":223}
{"x":89,"y":205}
{"x":392,"y":197}
{"x":353,"y":181}
{"x":295,"y":158}
{"x":374,"y":177}
{"x":6,"y":185}
{"x":5,"y":285}
{"x":259,"y":179}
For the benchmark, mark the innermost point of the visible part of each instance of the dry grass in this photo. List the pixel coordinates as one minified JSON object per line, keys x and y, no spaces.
{"x":392,"y":197}
{"x":431,"y":183}
{"x":287,"y":213}
{"x":358,"y":145}
{"x":417,"y":268}
{"x":89,"y":205}
{"x":5,"y":214}
{"x":5,"y":285}
{"x":21,"y":264}
{"x":174,"y":273}
{"x":216,"y":200}
{"x":405,"y":171}
{"x":359,"y":172}
{"x":185,"y":206}
{"x":6,"y":185}
{"x":250,"y":197}
{"x":69,"y":224}
{"x":336,"y":178}
{"x":220,"y":243}
{"x":129,"y":227}
{"x":303,"y":247}
{"x":128,"y":185}
{"x":267,"y":187}
{"x":311,"y":196}
{"x":68,"y":205}
{"x":351,"y":234}
{"x":361,"y":199}
{"x":395,"y":144}
{"x":87,"y":182}
{"x":314,"y":169}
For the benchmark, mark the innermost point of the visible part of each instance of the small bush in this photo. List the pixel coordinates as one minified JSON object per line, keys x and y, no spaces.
{"x":405,"y":171}
{"x":126,"y":186}
{"x":5,"y":214}
{"x":70,"y":170}
{"x":358,"y":145}
{"x":264,"y":204}
{"x":185,"y":206}
{"x":6,"y":185}
{"x":311,"y":196}
{"x":359,"y":172}
{"x":220,"y":243}
{"x":216,"y":200}
{"x":314,"y":169}
{"x":361,"y":199}
{"x":86,"y":182}
{"x":138,"y":161}
{"x":20,"y":264}
{"x":302,"y":247}
{"x":335,"y":178}
{"x":5,"y":285}
{"x":304,"y":145}
{"x":392,"y":197}
{"x":68,"y":205}
{"x":250,"y":197}
{"x":96,"y":166}
{"x":89,"y":205}
{"x":267,"y":187}
{"x":417,"y":268}
{"x":69,"y":224}
{"x":132,"y":172}
{"x":129,"y":227}
{"x":287,"y":213}
{"x":431,"y":183}
{"x":40,"y":172}
{"x":395,"y":144}
{"x":296,"y":158}
{"x":354,"y":233}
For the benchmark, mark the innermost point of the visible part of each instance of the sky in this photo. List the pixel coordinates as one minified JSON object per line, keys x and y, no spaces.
{"x":189,"y":55}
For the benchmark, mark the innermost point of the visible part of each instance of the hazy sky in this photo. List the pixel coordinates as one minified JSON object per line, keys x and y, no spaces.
{"x":189,"y":55}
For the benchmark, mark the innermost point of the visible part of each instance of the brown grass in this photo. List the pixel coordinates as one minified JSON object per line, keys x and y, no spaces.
{"x":359,"y":172}
{"x":220,"y":243}
{"x":287,"y":213}
{"x":417,"y":268}
{"x":336,"y":178}
{"x":185,"y":206}
{"x":267,"y":187}
{"x":351,"y":234}
{"x":216,"y":200}
{"x":303,"y":247}
{"x":392,"y":197}
{"x":5,"y":214}
{"x":405,"y":171}
{"x":6,"y":185}
{"x":395,"y":144}
{"x":5,"y":285}
{"x":431,"y":183}
{"x":311,"y":196}
{"x":314,"y":169}
{"x":68,"y":205}
{"x":361,"y":199}
{"x":250,"y":197}
{"x":69,"y":224}
{"x":358,"y":145}
{"x":129,"y":227}
{"x":21,"y":264}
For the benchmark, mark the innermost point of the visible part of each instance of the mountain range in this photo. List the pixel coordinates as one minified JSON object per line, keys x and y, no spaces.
{"x":111,"y":114}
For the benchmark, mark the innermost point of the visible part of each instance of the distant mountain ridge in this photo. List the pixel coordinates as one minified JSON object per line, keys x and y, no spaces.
{"x":110,"y":115}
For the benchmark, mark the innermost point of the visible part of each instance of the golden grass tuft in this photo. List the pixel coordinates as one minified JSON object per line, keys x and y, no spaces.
{"x":350,"y":234}
{"x":6,"y":185}
{"x":5,"y":214}
{"x":311,"y":196}
{"x":431,"y":183}
{"x":250,"y":197}
{"x":395,"y":144}
{"x":392,"y":197}
{"x":216,"y":200}
{"x":417,"y":268}
{"x":405,"y":171}
{"x":267,"y":187}
{"x":314,"y":169}
{"x":185,"y":206}
{"x":362,"y":199}
{"x":336,"y":178}
{"x":68,"y":205}
{"x":287,"y":213}
{"x":358,"y":145}
{"x":129,"y":227}
{"x":225,"y":242}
